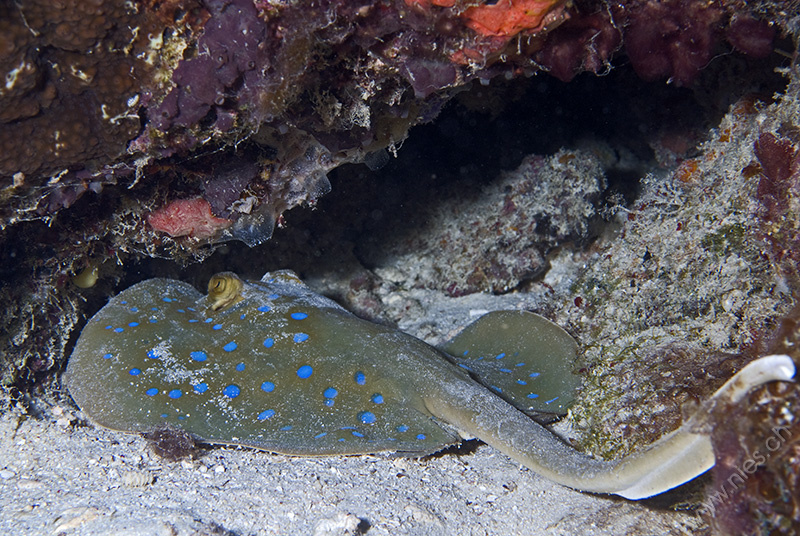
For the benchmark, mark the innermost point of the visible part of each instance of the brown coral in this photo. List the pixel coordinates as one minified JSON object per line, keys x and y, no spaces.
{"x":72,"y":85}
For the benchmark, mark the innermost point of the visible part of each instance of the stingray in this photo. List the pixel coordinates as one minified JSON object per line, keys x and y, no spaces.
{"x":272,"y":365}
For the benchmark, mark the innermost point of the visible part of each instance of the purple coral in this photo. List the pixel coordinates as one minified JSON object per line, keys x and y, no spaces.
{"x":230,"y":47}
{"x":750,"y":36}
{"x":778,"y":191}
{"x":671,"y":39}
{"x":756,"y":480}
{"x":224,"y":186}
{"x":676,"y":39}
{"x":582,"y":44}
{"x":779,"y":161}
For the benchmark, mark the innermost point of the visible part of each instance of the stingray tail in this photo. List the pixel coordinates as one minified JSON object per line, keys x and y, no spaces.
{"x":669,"y":462}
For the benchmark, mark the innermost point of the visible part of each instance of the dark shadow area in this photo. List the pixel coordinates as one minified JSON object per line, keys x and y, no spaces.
{"x":464,"y":448}
{"x":645,"y":127}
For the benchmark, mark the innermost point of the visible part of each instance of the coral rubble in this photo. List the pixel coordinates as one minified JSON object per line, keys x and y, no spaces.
{"x":497,"y":236}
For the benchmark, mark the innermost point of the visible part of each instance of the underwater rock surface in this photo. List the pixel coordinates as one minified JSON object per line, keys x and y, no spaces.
{"x":662,"y":326}
{"x":509,"y":227}
{"x":140,"y":96}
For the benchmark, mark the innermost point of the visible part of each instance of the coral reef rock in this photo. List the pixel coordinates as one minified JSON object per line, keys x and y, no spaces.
{"x":495,"y":237}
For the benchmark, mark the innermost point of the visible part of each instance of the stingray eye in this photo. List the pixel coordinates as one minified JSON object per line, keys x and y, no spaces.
{"x":224,"y":290}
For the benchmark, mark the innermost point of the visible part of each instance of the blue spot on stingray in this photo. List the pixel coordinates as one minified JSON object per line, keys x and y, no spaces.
{"x":500,"y":356}
{"x":175,"y":394}
{"x":191,"y":309}
{"x":533,"y":375}
{"x":320,"y":436}
{"x":330,"y":392}
{"x":208,"y":320}
{"x":264,"y":309}
{"x":230,"y":347}
{"x":152,"y":354}
{"x":496,"y":388}
{"x":274,"y":296}
{"x":201,"y":388}
{"x":357,"y":434}
{"x":168,"y":300}
{"x":216,"y":326}
{"x":522,"y":382}
{"x":340,"y":439}
{"x":347,"y":428}
{"x":532,"y":396}
{"x":240,"y":367}
{"x":107,"y":356}
{"x":462,"y":365}
{"x":134,"y":309}
{"x":119,"y":330}
{"x":520,"y":364}
{"x":329,"y":402}
{"x":305,"y":371}
{"x":552,"y":400}
{"x":367,"y":417}
{"x":124,"y":302}
{"x":181,"y":311}
{"x":266,"y":414}
{"x":109,"y":327}
{"x":420,"y":436}
{"x":199,"y":355}
{"x":360,"y":378}
{"x":267,"y":387}
{"x":465,"y":352}
{"x":300,"y":337}
{"x":154,"y":308}
{"x":505,"y":370}
{"x":193,"y":320}
{"x":164,"y":415}
{"x":299,"y":316}
{"x":231,"y":391}
{"x":151,"y":392}
{"x":377,"y":398}
{"x":153,"y":320}
{"x":269,"y":342}
{"x":402,"y":428}
{"x":286,"y":428}
{"x":242,"y":316}
{"x":134,"y":372}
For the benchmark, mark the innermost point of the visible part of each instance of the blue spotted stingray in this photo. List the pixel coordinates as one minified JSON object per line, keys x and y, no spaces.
{"x":272,"y":365}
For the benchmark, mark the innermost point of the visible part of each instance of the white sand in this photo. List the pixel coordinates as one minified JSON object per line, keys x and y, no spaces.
{"x":59,"y":477}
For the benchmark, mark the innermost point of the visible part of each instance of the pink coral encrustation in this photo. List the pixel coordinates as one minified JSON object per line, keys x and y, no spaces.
{"x":187,"y":217}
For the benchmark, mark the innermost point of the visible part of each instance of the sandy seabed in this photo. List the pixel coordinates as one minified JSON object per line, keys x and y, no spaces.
{"x":58,"y":477}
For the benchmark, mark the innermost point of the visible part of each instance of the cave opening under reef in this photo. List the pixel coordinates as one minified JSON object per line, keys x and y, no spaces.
{"x":636,"y":128}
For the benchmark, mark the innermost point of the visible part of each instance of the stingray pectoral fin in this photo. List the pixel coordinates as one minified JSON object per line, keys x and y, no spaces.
{"x":668,"y":463}
{"x":115,"y":356}
{"x":522,"y":357}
